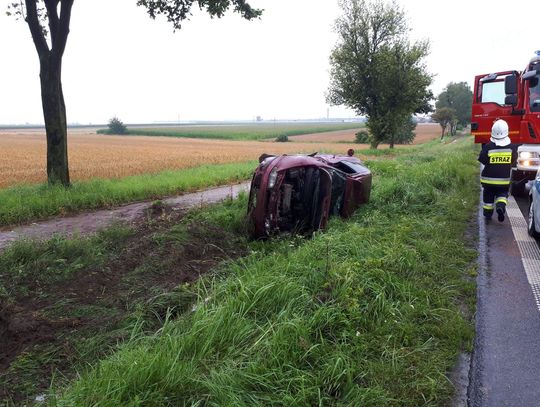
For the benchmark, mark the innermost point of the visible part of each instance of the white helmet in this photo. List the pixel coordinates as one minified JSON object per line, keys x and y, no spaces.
{"x":499,"y":133}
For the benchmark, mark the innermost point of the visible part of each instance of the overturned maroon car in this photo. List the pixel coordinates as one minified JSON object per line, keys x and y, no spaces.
{"x":297,"y":193}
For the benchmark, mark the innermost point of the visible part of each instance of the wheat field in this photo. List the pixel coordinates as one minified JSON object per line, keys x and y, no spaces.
{"x":23,"y":152}
{"x":22,"y":155}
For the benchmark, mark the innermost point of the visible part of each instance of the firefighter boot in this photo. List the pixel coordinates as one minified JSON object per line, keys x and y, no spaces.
{"x":488,"y":211}
{"x":501,"y":210}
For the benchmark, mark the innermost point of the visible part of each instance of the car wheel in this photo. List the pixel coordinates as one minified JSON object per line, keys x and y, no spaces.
{"x":531,"y":227}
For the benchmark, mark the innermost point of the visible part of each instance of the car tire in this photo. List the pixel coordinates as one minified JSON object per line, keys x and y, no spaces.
{"x":531,"y":227}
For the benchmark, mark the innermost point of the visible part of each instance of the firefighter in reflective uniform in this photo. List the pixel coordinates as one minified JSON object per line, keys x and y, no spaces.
{"x":498,"y":157}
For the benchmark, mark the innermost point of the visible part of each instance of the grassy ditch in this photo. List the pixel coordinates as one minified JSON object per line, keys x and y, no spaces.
{"x":64,"y":304}
{"x":369,"y":313}
{"x":30,"y":202}
{"x":240,"y":132}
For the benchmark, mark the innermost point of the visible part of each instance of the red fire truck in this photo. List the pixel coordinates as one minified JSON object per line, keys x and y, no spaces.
{"x":513,"y":96}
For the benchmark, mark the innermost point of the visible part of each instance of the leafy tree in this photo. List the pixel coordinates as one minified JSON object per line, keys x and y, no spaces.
{"x":116,"y":126}
{"x":445,"y":116}
{"x":49,"y":21}
{"x":405,"y":133}
{"x":375,"y":70}
{"x":362,"y":137}
{"x":457,"y":96}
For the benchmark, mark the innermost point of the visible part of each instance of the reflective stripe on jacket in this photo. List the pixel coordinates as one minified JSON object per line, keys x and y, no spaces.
{"x":494,"y":181}
{"x":498,"y":162}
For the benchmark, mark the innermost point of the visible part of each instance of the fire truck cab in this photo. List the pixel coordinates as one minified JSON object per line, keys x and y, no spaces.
{"x":514,"y":97}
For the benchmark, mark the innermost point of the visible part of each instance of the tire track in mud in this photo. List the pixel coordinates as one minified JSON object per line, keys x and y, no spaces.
{"x":91,"y":222}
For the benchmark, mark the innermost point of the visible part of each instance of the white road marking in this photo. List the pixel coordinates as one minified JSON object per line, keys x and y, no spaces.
{"x":528,"y":247}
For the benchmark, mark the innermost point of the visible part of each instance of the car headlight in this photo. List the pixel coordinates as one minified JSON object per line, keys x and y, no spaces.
{"x":527,"y":155}
{"x":272,"y":179}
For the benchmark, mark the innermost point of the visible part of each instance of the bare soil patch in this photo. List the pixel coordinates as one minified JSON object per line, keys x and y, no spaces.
{"x":48,"y":329}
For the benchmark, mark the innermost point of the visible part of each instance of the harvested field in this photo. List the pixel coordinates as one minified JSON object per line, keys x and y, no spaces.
{"x":22,"y":158}
{"x":424,"y":132}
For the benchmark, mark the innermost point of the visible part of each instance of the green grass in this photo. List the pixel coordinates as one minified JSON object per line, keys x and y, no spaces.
{"x":401,"y":149}
{"x":38,"y":263}
{"x":365,"y":314}
{"x":241,"y":132}
{"x":30,"y":273}
{"x":46,"y":284}
{"x":30,"y":202}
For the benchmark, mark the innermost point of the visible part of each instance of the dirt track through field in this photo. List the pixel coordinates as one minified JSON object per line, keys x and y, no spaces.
{"x":87,"y":223}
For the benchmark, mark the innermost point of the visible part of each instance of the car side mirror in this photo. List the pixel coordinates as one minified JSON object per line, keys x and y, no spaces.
{"x":510,"y":84}
{"x":510,"y":100}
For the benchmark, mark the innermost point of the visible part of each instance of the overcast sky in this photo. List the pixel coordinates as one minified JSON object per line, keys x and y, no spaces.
{"x":120,"y":62}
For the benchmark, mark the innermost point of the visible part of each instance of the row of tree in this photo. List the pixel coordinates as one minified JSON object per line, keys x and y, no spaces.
{"x":453,"y":108}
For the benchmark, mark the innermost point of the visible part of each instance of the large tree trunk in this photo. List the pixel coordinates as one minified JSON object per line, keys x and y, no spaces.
{"x":54,"y":112}
{"x":50,"y":63}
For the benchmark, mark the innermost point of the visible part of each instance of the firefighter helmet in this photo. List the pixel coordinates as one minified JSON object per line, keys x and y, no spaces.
{"x":499,"y":133}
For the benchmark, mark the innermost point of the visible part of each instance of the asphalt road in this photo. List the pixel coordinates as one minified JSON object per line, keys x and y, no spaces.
{"x":505,"y":366}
